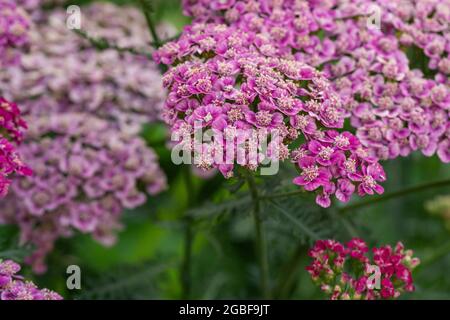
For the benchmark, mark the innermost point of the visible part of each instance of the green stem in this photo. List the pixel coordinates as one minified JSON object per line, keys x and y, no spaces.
{"x":151,"y":26}
{"x":261,"y":244}
{"x":103,"y":44}
{"x":439,"y":253}
{"x":284,"y":195}
{"x":187,"y":260}
{"x":186,"y":266}
{"x":396,"y":194}
{"x":289,"y":274}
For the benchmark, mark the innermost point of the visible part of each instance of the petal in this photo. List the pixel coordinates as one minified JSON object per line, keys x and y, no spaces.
{"x":379,"y":189}
{"x":313,"y":185}
{"x":323,"y":200}
{"x":306,"y":162}
{"x":300,"y":181}
{"x":314,"y":146}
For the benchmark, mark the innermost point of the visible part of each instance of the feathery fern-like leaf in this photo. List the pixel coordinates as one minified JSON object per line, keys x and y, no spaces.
{"x":130,"y":282}
{"x":9,"y":244}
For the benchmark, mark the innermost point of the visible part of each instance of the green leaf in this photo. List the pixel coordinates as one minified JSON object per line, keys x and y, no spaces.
{"x":304,"y":228}
{"x":212,"y":210}
{"x":129,"y":282}
{"x":9,"y":244}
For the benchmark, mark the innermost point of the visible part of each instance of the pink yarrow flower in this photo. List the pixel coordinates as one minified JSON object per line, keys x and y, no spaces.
{"x":14,"y":287}
{"x":347,"y":271}
{"x":11,"y":131}
{"x":368,"y":67}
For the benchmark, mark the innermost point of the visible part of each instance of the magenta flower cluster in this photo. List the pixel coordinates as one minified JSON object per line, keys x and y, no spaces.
{"x":62,"y":72}
{"x":337,"y":164}
{"x":86,"y":173}
{"x":14,"y":25}
{"x":11,"y":126}
{"x":396,"y":108}
{"x":348,"y":272}
{"x":219,"y":78}
{"x":15,"y":287}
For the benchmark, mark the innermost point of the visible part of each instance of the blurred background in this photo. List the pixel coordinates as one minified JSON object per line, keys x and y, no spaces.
{"x":150,"y":259}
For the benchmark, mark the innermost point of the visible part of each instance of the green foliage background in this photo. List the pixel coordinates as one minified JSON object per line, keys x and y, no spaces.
{"x":149,"y":258}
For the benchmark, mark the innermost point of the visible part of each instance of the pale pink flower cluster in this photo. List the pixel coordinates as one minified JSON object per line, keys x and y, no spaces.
{"x":14,"y":27}
{"x":61,"y":72}
{"x":86,"y":173}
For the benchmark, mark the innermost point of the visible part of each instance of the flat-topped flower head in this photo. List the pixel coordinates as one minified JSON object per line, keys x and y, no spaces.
{"x":11,"y":132}
{"x":218,"y":77}
{"x":353,"y":271}
{"x":14,"y":27}
{"x":368,"y":65}
{"x":11,"y":122}
{"x":14,"y":287}
{"x":62,"y":72}
{"x":86,"y":172}
{"x":337,"y":164}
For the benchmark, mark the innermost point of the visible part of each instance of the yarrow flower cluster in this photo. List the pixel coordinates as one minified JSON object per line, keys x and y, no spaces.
{"x":220,"y":80}
{"x":62,"y":72}
{"x":423,"y":24}
{"x":11,"y":126}
{"x":11,"y":122}
{"x":14,"y":25}
{"x":86,"y":173}
{"x":348,"y":272}
{"x":14,"y":287}
{"x":396,"y":108}
{"x":338,"y":165}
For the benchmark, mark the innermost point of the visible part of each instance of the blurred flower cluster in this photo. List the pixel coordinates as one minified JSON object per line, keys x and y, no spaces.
{"x":396,"y":106}
{"x":14,"y":26}
{"x":347,"y":272}
{"x":85,"y":108}
{"x":86,"y":173}
{"x":14,"y":287}
{"x":63,"y":72}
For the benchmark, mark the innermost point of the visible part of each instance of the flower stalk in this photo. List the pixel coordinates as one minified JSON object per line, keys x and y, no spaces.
{"x":147,"y":9}
{"x":396,"y":194}
{"x":261,"y":245}
{"x":186,"y":266}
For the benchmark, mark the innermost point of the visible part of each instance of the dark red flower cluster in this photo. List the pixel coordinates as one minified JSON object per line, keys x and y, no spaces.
{"x":349,"y":272}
